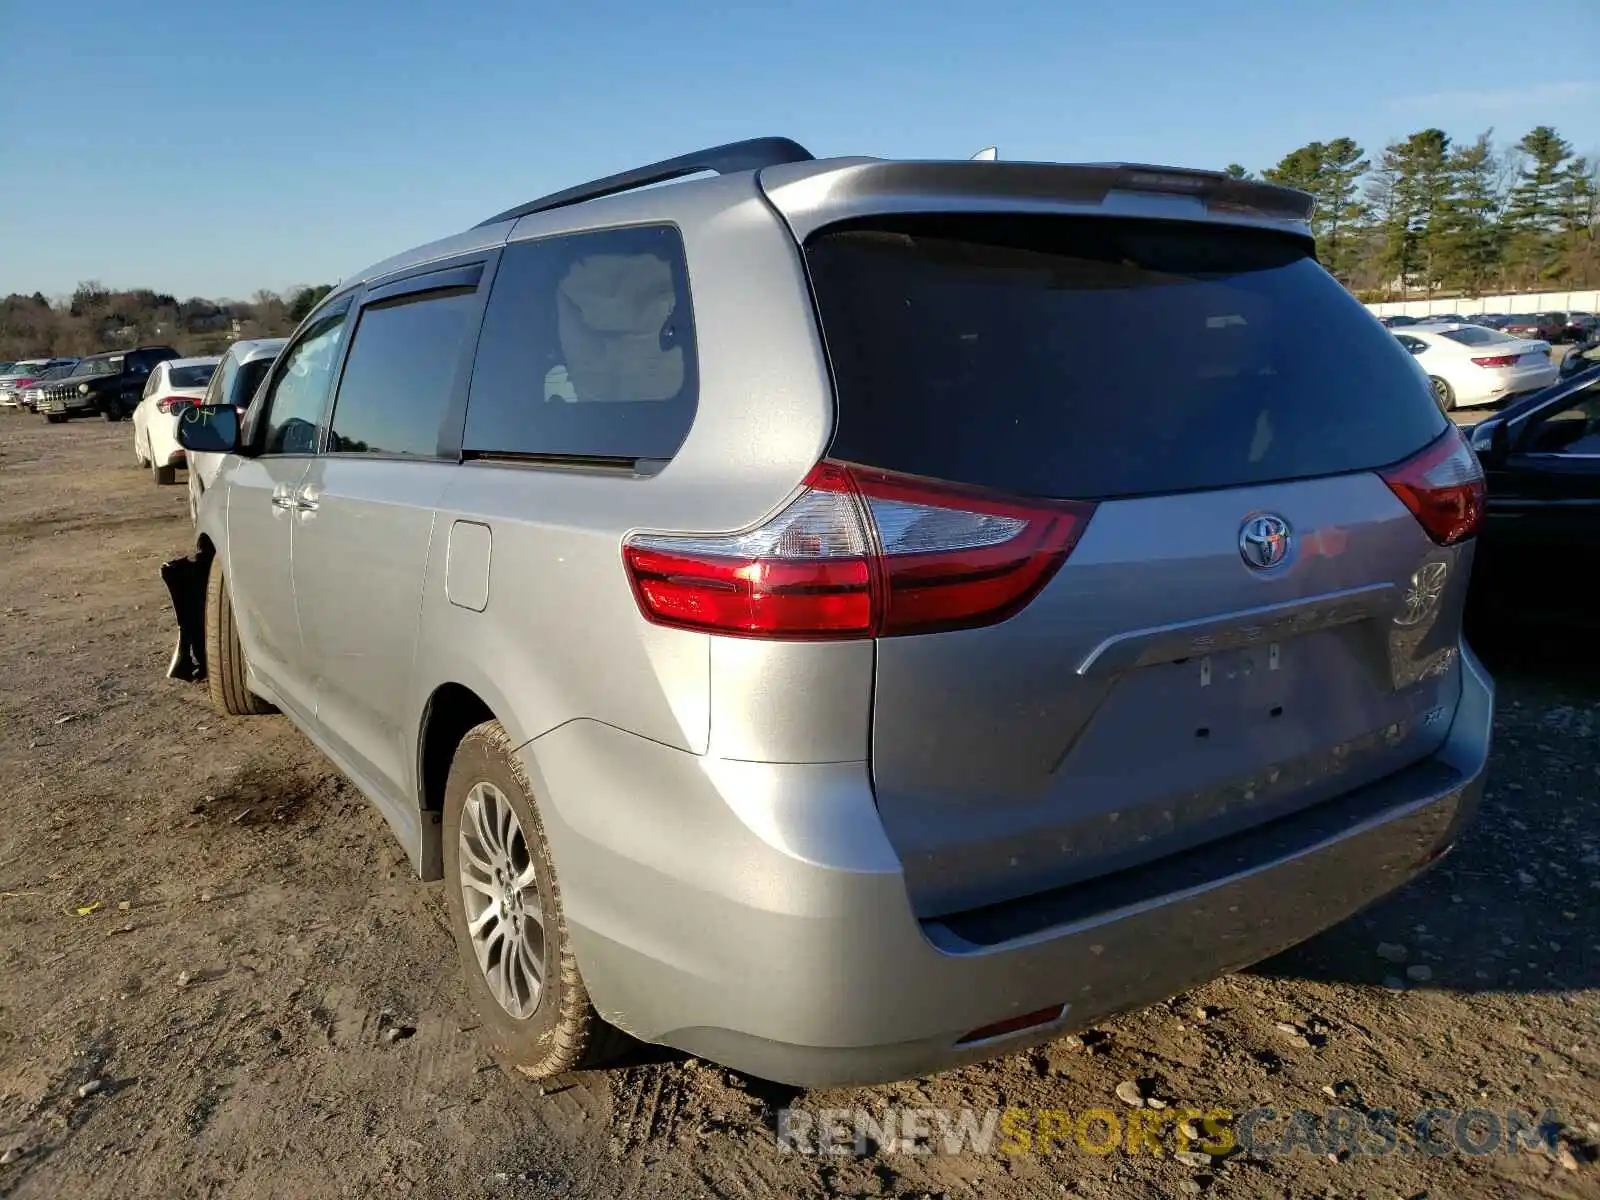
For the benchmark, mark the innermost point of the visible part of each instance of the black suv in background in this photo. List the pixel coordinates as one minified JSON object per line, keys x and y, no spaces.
{"x":109,"y":384}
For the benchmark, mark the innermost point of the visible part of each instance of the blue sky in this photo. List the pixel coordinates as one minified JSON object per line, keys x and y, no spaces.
{"x":214,"y":148}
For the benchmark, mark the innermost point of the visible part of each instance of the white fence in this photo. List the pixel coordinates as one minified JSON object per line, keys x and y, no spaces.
{"x":1528,"y":302}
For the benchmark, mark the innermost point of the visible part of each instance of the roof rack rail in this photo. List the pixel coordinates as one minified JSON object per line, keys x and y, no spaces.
{"x":749,"y":155}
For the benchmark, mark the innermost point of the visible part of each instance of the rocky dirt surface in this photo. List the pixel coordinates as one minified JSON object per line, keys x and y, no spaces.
{"x":218,"y":977}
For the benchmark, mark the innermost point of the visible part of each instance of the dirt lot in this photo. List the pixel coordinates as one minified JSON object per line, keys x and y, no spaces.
{"x":197,"y":915}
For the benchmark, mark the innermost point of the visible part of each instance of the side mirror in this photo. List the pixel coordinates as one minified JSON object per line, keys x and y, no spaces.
{"x":1490,"y":440}
{"x":209,"y":428}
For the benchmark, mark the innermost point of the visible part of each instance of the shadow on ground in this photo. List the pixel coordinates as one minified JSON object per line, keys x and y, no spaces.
{"x":1516,"y":905}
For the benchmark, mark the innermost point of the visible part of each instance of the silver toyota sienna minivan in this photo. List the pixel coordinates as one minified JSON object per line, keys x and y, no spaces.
{"x":848,"y":618}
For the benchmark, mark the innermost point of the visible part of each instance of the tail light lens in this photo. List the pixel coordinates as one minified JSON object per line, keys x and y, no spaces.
{"x":1443,"y":487}
{"x":1496,"y":360}
{"x":860,"y":553}
{"x":173,"y":404}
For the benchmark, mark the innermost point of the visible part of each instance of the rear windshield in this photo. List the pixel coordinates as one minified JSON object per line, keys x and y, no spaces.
{"x":191,"y":377}
{"x":1095,"y":357}
{"x":1475,"y":335}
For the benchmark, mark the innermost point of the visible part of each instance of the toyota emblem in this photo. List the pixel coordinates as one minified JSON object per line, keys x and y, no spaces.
{"x":1264,"y":541}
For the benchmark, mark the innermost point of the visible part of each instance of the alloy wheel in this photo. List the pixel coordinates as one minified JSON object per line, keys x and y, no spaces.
{"x":500,"y":894}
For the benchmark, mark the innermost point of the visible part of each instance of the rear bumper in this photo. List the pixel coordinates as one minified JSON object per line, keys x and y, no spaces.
{"x":1499,"y":384}
{"x":755,"y":913}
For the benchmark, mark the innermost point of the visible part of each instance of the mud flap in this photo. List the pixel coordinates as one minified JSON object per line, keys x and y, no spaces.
{"x":186,"y":584}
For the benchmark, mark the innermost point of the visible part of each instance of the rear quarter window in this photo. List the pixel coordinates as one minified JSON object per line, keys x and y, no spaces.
{"x":1098,"y":358}
{"x":587,"y":349}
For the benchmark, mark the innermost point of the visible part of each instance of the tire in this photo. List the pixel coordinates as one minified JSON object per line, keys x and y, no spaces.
{"x":55,"y":418}
{"x":561,"y":1030}
{"x":165,"y":476}
{"x":225,"y":663}
{"x":1443,"y":393}
{"x":111,"y":414}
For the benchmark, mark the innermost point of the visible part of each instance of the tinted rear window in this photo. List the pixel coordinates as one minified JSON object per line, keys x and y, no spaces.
{"x":191,"y":377}
{"x":1475,"y":335}
{"x":1091,"y":357}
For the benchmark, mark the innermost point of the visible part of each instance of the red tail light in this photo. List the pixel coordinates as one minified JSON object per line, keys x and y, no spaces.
{"x":1443,"y":487}
{"x":1497,"y":360}
{"x":860,"y":553}
{"x":169,"y":404}
{"x":25,"y":381}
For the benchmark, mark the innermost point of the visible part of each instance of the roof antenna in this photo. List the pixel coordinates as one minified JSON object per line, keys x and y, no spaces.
{"x":988,"y":154}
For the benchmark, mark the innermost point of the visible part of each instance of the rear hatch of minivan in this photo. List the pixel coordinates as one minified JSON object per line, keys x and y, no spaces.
{"x":1257,"y":607}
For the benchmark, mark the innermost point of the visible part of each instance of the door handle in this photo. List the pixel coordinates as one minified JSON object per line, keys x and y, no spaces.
{"x":306,"y":500}
{"x":284,"y":500}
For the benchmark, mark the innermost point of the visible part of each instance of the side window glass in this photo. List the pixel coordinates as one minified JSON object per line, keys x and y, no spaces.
{"x":1572,"y":429}
{"x":587,"y":349}
{"x":222,"y":382}
{"x":298,"y":401}
{"x":251,"y":376}
{"x":150,"y":384}
{"x":395,"y":390}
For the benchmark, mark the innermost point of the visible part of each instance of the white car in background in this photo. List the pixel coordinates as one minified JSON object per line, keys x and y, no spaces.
{"x":173,"y":386}
{"x":1468,"y":364}
{"x":242,"y":368}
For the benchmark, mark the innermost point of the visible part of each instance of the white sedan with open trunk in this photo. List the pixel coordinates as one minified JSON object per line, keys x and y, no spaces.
{"x":1468,"y":364}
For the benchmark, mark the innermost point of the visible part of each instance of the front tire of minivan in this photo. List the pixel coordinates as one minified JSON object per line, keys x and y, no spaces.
{"x":506,"y":914}
{"x":226,"y":676}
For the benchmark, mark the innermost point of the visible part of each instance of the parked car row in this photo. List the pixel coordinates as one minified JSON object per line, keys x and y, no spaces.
{"x":1548,"y":326}
{"x":108,"y":385}
{"x":17,"y":377}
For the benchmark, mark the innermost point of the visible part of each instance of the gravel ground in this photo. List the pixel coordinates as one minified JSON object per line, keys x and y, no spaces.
{"x":218,"y":978}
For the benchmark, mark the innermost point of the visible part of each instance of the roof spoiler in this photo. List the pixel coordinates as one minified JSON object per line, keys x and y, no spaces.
{"x":811,"y":195}
{"x":1218,"y":190}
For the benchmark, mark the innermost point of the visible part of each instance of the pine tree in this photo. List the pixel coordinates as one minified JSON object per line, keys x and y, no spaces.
{"x":1389,"y":208}
{"x":1424,"y":190}
{"x":1338,"y":199}
{"x":1235,"y":171}
{"x":1533,"y":212}
{"x":1579,"y":213}
{"x":1470,"y":240}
